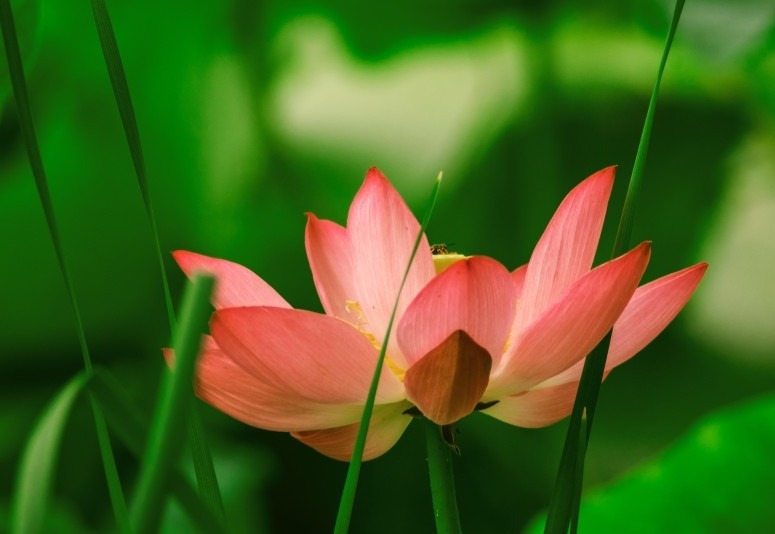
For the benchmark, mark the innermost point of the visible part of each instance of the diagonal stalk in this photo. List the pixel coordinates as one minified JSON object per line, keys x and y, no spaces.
{"x":126,"y":110}
{"x":200,"y":453}
{"x":566,"y":498}
{"x":344,"y":514}
{"x":19,"y":84}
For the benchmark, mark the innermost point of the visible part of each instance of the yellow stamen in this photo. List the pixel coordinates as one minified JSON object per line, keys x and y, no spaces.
{"x":400,"y":373}
{"x":354,"y":307}
{"x":507,"y":344}
{"x":508,"y":338}
{"x":442,"y":261}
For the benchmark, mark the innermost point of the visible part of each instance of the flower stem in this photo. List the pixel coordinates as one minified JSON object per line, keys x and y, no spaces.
{"x":442,"y":481}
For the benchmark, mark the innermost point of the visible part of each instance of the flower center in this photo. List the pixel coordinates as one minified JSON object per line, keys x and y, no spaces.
{"x":443,"y":258}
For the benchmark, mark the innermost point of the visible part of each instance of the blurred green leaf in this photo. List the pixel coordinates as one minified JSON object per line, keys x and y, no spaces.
{"x":717,"y":478}
{"x":38,"y":465}
{"x":724,"y":31}
{"x":28,"y":19}
{"x":132,"y":430}
{"x":171,"y":417}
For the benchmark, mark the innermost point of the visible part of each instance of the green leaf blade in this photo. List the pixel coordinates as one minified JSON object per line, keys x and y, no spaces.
{"x":717,"y":477}
{"x":564,"y":504}
{"x":37,"y":468}
{"x":126,"y":110}
{"x":19,"y":84}
{"x":203,"y":463}
{"x":170,"y":423}
{"x":131,"y":429}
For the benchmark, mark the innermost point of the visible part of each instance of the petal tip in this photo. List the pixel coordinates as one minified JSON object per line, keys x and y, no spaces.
{"x":375,"y":174}
{"x":180,"y":255}
{"x":695,"y":272}
{"x":604,"y":178}
{"x":312,"y":223}
{"x":643,"y":248}
{"x":186,"y":260}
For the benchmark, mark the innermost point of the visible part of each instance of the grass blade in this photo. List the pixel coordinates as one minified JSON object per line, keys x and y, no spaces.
{"x":624,"y":232}
{"x":39,"y":460}
{"x":344,"y":514}
{"x":204,"y":469}
{"x":115,"y":490}
{"x":203,"y":463}
{"x":170,"y":422}
{"x":131,"y":429}
{"x":127,"y":112}
{"x":19,"y":85}
{"x":564,"y":505}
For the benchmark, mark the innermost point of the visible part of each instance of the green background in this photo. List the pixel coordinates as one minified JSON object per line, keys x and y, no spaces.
{"x":253,"y":113}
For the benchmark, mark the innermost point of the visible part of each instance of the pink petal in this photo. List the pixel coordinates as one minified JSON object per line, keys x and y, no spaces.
{"x":317,"y":357}
{"x":476,"y":295}
{"x":386,"y":426}
{"x":231,"y":389}
{"x":573,"y":326}
{"x":328,"y":251}
{"x":518,"y":276}
{"x":567,"y":248}
{"x":535,"y":409}
{"x":448,"y":382}
{"x":382,"y":233}
{"x":235,"y":285}
{"x":652,"y":307}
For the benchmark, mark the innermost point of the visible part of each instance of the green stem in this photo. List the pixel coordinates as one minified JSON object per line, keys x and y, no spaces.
{"x":126,"y":111}
{"x":566,"y":498}
{"x":204,"y":469}
{"x":442,"y":481}
{"x":168,"y":430}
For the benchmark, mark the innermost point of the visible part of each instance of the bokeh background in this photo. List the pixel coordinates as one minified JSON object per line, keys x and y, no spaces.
{"x":253,"y":113}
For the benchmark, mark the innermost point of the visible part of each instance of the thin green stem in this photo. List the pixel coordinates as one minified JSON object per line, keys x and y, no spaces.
{"x":565,"y":503}
{"x":200,"y":453}
{"x":206,"y":479}
{"x":442,"y":479}
{"x":624,"y":232}
{"x":123,"y":98}
{"x":347,"y":501}
{"x":115,"y":490}
{"x":26,"y":123}
{"x":131,"y":428}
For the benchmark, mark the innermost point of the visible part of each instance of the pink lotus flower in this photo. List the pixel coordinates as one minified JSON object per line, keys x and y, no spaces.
{"x":471,"y":336}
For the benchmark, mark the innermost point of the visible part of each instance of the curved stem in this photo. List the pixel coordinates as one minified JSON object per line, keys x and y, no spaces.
{"x":442,"y":481}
